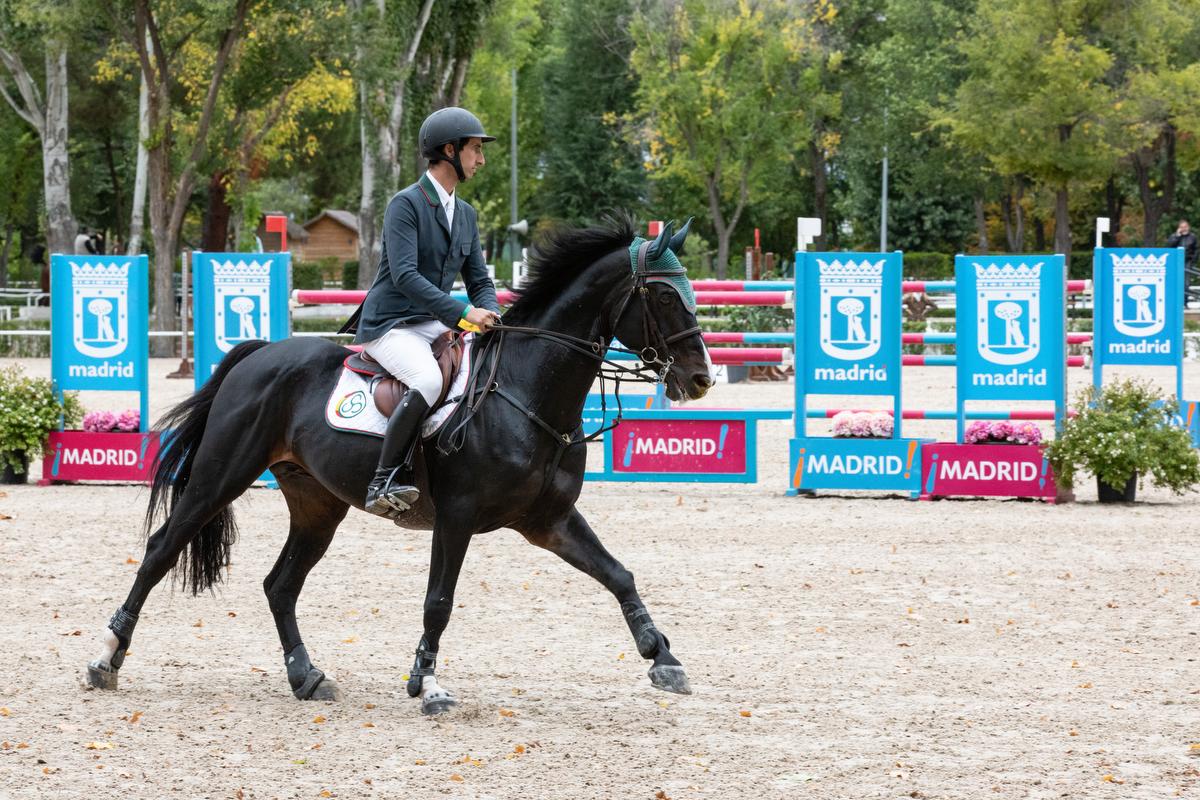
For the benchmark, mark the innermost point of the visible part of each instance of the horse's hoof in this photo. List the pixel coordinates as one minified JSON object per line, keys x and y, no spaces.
{"x":101,"y":676}
{"x":327,"y":690}
{"x":670,"y":679}
{"x":437,"y":705}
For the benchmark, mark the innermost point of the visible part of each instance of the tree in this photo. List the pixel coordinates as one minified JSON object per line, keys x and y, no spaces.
{"x":39,"y":29}
{"x":591,"y":165}
{"x":713,"y":97}
{"x":1035,"y":101}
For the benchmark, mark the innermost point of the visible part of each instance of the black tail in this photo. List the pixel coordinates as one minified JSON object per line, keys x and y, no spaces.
{"x":208,"y":552}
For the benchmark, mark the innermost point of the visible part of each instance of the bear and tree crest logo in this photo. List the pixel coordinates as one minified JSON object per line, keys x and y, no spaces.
{"x":100,"y":308}
{"x":242,"y":293}
{"x":1139,"y":293}
{"x":1008,"y":317}
{"x":851,"y":309}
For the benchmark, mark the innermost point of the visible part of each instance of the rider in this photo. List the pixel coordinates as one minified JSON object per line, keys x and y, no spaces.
{"x":429,"y":235}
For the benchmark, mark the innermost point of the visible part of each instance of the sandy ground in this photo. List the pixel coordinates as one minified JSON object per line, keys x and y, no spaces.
{"x":839,"y":647}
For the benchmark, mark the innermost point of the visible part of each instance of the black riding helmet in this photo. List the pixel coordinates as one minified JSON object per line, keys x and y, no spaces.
{"x":450,"y":125}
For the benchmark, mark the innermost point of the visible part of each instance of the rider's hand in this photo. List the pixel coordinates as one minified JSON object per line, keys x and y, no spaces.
{"x":482,"y":318}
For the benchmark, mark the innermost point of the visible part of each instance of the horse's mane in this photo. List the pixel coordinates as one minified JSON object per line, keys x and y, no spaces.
{"x":560,"y":256}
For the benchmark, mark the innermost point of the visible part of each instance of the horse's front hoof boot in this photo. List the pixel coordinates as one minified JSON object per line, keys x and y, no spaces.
{"x":437,"y":705}
{"x":327,"y":690}
{"x":670,"y":679}
{"x":101,"y":676}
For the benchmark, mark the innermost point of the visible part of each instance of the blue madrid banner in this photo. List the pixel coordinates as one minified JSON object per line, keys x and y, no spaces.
{"x":848,"y":326}
{"x":1011,"y":327}
{"x":99,"y":326}
{"x":237,"y":297}
{"x":1139,"y":306}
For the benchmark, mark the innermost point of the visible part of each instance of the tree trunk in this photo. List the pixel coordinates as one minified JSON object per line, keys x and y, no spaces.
{"x":820,"y":181}
{"x":981,"y":225}
{"x":369,"y":248}
{"x":137,"y":216}
{"x":164,"y":317}
{"x":215,"y":237}
{"x":1155,"y":206}
{"x":8,"y":238}
{"x":1062,"y":223}
{"x":1019,"y":212}
{"x":60,"y":222}
{"x":1039,"y":234}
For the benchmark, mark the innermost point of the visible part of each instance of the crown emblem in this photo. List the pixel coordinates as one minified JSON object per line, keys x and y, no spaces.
{"x":252,"y":274}
{"x":100,"y":276}
{"x":850,"y":271}
{"x":1022,"y":276}
{"x":1139,"y":264}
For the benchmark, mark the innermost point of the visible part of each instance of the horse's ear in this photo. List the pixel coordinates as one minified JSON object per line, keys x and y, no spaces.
{"x":659,"y":247}
{"x":678,"y":239}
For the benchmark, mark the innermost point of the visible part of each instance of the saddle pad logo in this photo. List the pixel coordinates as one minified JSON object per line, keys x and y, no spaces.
{"x":1139,"y":294}
{"x":1009,"y":325}
{"x":851,"y":295}
{"x":352,"y":405}
{"x":100,"y":309}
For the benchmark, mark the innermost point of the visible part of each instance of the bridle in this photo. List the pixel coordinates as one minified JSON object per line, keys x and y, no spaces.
{"x":655,"y":357}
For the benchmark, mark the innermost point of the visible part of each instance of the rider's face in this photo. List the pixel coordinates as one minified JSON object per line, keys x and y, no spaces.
{"x":472,"y":157}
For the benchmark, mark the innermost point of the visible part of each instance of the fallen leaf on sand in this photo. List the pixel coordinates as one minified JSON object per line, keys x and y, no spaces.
{"x":135,"y":717}
{"x":132,"y":561}
{"x":100,"y":745}
{"x":744,"y":713}
{"x":325,"y":793}
{"x":504,"y":712}
{"x":456,"y":777}
{"x":521,"y":748}
{"x":1112,"y":779}
{"x":420,"y":762}
{"x":318,"y":719}
{"x":368,"y":724}
{"x":350,"y":640}
{"x":4,"y":712}
{"x":198,"y":623}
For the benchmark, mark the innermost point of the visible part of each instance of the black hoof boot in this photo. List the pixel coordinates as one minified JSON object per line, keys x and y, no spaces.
{"x":391,"y":493}
{"x":101,"y":676}
{"x":308,"y":682}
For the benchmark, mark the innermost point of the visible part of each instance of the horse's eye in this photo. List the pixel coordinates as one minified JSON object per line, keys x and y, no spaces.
{"x":665,"y":299}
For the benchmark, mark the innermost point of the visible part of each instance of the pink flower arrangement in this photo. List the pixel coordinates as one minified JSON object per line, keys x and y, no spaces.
{"x":127,"y":421}
{"x":982,"y":432}
{"x":863,"y":424}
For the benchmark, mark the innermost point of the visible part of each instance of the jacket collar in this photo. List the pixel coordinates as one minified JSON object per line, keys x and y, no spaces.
{"x":425,"y":184}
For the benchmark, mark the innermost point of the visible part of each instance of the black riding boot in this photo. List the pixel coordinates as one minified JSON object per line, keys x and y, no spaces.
{"x":391,"y":491}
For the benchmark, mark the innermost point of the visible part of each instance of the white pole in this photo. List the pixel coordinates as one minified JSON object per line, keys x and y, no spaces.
{"x":1102,"y":225}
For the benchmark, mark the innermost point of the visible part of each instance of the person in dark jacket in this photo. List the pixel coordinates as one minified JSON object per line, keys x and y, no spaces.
{"x":1183,"y":237}
{"x":429,"y":237}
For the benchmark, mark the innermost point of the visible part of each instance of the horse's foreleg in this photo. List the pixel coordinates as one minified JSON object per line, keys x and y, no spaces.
{"x":573,"y":540}
{"x":445,"y":563}
{"x":315,"y":515}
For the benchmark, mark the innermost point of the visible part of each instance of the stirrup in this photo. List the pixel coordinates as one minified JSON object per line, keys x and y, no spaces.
{"x":391,"y":501}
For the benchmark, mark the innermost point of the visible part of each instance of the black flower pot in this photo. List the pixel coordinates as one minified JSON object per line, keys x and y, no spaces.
{"x":1112,"y":494}
{"x":10,"y":475}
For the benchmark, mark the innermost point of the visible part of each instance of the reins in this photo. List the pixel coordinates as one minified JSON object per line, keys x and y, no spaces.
{"x":656,"y":361}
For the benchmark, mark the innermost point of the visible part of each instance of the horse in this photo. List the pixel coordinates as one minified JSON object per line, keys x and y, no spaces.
{"x":520,"y":417}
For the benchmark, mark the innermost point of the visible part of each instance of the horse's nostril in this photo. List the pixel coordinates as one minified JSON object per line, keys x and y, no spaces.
{"x":703,"y":380}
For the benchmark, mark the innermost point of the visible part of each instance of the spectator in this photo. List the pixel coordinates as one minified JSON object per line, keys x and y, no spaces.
{"x":1183,"y":237}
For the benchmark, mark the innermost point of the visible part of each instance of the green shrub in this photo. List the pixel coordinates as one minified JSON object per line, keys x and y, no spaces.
{"x":29,"y":410}
{"x":307,"y":275}
{"x":350,"y":275}
{"x":929,"y":266}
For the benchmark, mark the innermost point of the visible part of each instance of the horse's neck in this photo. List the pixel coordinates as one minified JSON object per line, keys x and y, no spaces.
{"x":559,"y":377}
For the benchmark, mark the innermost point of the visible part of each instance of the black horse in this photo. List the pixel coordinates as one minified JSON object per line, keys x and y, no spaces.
{"x":264,"y":407}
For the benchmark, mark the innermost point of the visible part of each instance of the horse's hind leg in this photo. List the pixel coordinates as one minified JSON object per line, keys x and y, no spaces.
{"x":201,"y":517}
{"x":573,"y":540}
{"x":316,"y":513}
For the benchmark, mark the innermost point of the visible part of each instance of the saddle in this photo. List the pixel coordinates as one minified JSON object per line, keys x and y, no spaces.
{"x":447,"y":350}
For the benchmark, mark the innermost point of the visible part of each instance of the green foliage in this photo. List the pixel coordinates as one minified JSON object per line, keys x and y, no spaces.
{"x":929,"y":266}
{"x":757,"y":319}
{"x":29,"y":410}
{"x":307,"y":275}
{"x":350,"y":275}
{"x":1127,"y":428}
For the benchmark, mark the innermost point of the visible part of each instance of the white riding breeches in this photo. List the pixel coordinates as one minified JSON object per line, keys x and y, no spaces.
{"x":404,"y":352}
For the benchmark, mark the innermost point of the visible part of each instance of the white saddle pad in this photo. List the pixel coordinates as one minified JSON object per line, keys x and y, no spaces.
{"x":351,"y":406}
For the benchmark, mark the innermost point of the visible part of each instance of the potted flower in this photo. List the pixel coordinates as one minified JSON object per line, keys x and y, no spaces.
{"x":29,"y":410}
{"x":984,"y":432}
{"x":863,"y":425}
{"x":1125,"y":431}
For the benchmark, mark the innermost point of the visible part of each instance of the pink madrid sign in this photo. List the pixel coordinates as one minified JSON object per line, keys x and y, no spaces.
{"x":988,"y":470}
{"x":679,"y":446}
{"x":86,"y":456}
